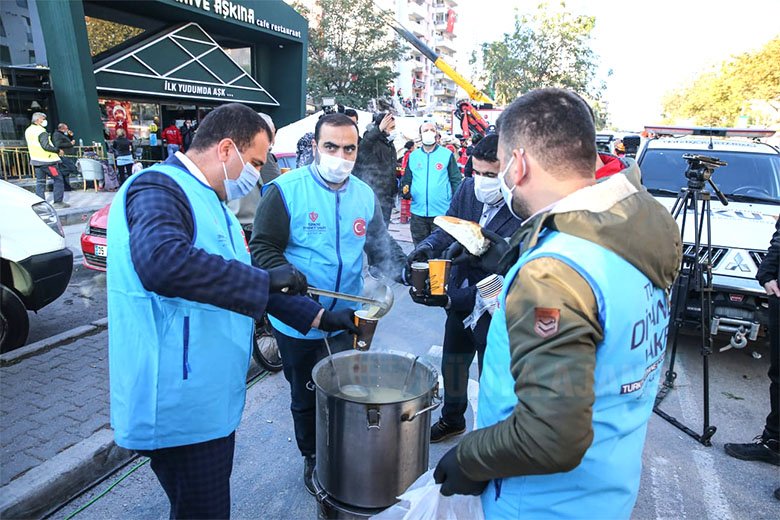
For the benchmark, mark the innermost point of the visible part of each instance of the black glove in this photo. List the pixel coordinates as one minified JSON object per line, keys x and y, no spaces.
{"x":332,"y":321}
{"x":489,"y":261}
{"x":431,"y":300}
{"x":286,"y":278}
{"x":452,"y":479}
{"x":421,"y":253}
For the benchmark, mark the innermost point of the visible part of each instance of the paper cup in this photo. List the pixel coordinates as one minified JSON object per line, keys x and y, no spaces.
{"x":419,"y":276}
{"x":439,"y":272}
{"x":366,"y":328}
{"x":490,"y":287}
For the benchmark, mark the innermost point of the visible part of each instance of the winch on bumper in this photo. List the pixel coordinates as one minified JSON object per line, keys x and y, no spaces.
{"x":739,"y":304}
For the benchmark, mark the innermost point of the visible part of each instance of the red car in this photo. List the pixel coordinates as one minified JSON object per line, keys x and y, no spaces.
{"x":93,"y":240}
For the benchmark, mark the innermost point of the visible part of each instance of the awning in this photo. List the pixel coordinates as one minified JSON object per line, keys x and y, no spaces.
{"x":184,"y":63}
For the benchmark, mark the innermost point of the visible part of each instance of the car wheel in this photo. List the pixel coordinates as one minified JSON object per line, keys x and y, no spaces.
{"x":14,"y":323}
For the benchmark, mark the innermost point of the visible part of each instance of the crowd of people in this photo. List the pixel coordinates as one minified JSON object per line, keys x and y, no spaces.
{"x":558,"y":399}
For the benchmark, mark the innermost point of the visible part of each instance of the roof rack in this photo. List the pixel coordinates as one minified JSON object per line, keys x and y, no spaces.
{"x":709,"y":131}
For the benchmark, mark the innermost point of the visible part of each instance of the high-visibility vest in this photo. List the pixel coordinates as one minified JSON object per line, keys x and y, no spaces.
{"x":37,"y":153}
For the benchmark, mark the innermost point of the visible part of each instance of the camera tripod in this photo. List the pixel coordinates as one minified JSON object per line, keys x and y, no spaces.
{"x":695,"y":278}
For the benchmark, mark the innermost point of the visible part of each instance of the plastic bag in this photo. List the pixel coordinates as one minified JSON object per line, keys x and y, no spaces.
{"x":422,"y":501}
{"x":481,"y":305}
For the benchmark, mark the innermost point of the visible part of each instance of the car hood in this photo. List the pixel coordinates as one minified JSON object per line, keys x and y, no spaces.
{"x":739,"y":225}
{"x":99,"y":219}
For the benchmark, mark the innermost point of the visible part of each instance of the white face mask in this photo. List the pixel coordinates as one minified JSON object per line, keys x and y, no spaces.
{"x":44,"y":123}
{"x":506,"y":191}
{"x":334,"y":170}
{"x":392,"y":135}
{"x":428,"y":138}
{"x":487,"y":189}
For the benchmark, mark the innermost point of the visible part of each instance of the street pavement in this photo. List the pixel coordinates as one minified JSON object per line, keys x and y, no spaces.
{"x":57,"y":398}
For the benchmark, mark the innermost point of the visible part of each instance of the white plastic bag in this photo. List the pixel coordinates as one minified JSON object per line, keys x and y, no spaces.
{"x":422,"y":501}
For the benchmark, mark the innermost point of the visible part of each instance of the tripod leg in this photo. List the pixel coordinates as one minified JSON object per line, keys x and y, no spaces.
{"x":706,"y":317}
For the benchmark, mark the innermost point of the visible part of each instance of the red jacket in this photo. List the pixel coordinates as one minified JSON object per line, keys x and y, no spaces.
{"x":172,"y":135}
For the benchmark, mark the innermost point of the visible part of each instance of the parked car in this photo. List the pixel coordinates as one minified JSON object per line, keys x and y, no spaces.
{"x":93,"y":240}
{"x":35,"y":265}
{"x":741,"y":231}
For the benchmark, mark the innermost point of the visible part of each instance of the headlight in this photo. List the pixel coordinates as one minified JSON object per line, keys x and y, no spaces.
{"x":49,"y":216}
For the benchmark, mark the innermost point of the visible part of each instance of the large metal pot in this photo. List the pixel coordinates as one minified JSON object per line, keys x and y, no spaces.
{"x":373,"y":424}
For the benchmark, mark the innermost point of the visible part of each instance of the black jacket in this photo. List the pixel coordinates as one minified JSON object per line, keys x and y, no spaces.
{"x":465,"y":206}
{"x":121,"y":146}
{"x":375,"y":165}
{"x":770,"y":268}
{"x":61,"y":141}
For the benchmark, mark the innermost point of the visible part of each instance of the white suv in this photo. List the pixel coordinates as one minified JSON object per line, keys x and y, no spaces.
{"x":35,"y":265}
{"x":741,"y":231}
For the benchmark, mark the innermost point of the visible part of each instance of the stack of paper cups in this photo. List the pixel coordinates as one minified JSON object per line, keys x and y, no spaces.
{"x":490,"y":287}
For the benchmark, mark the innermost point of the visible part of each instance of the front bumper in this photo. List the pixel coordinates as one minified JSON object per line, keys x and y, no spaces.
{"x":48,"y":276}
{"x":91,"y":259}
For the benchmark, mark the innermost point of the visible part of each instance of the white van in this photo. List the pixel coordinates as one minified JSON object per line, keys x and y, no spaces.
{"x":35,"y":265}
{"x":741,"y":231}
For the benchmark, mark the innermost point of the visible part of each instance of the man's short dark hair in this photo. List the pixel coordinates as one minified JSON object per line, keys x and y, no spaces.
{"x":486,"y":149}
{"x":351,"y":112}
{"x":555,"y":126}
{"x":232,"y":121}
{"x":337,"y":120}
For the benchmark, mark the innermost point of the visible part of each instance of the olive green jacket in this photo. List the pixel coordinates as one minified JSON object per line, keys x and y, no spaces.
{"x":550,"y":429}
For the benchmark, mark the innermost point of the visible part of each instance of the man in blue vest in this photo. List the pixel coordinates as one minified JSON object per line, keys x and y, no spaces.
{"x":182,"y":300}
{"x":431,"y":177}
{"x":321,"y":219}
{"x":478,"y":199}
{"x":576,"y":346}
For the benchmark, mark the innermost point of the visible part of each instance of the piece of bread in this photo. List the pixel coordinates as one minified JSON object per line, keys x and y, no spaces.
{"x":468,"y":233}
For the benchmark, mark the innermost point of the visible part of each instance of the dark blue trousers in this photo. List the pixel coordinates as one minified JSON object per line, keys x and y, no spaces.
{"x":196,"y":477}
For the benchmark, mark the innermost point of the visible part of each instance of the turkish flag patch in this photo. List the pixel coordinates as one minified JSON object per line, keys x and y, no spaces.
{"x":546,"y":321}
{"x":439,"y":166}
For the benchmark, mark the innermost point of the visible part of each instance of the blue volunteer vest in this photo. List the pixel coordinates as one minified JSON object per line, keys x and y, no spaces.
{"x":634,"y":316}
{"x":177,"y":367}
{"x":431,"y":189}
{"x":327,"y":235}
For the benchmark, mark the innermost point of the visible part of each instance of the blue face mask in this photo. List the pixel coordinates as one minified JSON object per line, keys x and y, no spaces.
{"x":237,"y":188}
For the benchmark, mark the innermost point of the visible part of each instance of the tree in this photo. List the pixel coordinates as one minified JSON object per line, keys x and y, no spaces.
{"x":549,"y":48}
{"x":351,"y":51}
{"x":104,"y":35}
{"x":747,"y":85}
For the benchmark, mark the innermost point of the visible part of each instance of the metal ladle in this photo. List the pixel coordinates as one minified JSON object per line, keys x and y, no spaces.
{"x":383,"y":300}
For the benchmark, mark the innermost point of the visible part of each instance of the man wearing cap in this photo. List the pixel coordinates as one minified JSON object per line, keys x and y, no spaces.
{"x":45,"y":159}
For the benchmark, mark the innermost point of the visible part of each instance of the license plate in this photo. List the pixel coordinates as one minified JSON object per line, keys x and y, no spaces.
{"x":100,"y":250}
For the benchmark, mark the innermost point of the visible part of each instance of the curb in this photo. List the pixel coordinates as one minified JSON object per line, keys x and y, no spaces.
{"x":54,"y":482}
{"x":15,"y":356}
{"x":69,"y":217}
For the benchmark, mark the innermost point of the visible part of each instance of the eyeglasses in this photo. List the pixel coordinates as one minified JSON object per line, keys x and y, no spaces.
{"x":490,"y":175}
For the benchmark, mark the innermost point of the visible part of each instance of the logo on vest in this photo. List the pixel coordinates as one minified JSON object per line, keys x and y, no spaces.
{"x":359,"y":227}
{"x":547,"y":321}
{"x":313,"y":216}
{"x":439,"y":166}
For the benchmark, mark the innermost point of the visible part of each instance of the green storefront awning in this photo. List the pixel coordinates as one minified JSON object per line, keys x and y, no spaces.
{"x":184,"y":63}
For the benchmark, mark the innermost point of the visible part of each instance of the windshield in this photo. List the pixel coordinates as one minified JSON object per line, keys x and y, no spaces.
{"x":747,"y":174}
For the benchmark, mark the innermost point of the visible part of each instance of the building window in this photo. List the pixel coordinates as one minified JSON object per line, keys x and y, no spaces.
{"x":2,"y":28}
{"x":22,"y":3}
{"x":31,"y":56}
{"x":5,"y":55}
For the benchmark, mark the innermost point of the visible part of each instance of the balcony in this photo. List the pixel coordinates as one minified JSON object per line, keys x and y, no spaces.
{"x":417,"y":12}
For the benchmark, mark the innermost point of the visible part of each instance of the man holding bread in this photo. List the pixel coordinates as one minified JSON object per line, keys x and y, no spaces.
{"x":576,"y":346}
{"x":477,"y":200}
